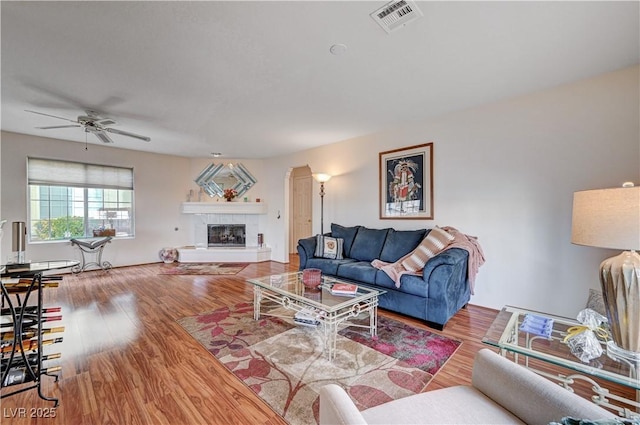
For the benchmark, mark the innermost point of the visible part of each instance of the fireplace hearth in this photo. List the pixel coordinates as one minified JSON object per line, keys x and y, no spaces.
{"x":226,"y":235}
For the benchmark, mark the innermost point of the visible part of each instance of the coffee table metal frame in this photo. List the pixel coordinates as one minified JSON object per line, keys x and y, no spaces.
{"x":332,"y":311}
{"x":504,"y":334}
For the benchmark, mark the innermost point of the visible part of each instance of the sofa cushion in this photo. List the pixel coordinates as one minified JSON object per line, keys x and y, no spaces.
{"x":436,"y":240}
{"x":362,"y":271}
{"x":347,"y":234}
{"x":327,"y":266}
{"x":441,"y":407}
{"x":409,"y":284}
{"x":328,"y":247}
{"x":368,"y":244}
{"x":399,"y":243}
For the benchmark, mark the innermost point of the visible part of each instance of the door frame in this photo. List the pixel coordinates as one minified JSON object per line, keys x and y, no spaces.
{"x":289,"y":205}
{"x":287,"y":213}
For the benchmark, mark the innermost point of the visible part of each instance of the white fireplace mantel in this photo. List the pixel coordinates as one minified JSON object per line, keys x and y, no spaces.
{"x":202,"y":214}
{"x":224,"y":208}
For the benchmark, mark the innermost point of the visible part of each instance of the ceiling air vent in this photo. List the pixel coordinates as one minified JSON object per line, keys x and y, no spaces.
{"x":396,"y":14}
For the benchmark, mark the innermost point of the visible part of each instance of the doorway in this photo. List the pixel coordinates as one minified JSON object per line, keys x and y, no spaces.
{"x":300,"y":187}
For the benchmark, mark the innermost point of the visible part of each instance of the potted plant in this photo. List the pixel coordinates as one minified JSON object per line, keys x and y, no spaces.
{"x":229,"y":194}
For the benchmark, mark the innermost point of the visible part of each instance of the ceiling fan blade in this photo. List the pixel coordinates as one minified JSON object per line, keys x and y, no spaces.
{"x":126,"y":133}
{"x":105,"y":122}
{"x":49,"y":115}
{"x":102,"y":136}
{"x":58,"y":126}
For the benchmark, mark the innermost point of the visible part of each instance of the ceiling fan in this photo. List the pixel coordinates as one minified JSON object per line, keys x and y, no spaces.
{"x":93,"y":123}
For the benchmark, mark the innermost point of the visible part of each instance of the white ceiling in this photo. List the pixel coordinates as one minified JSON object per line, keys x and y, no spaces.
{"x":256,"y":79}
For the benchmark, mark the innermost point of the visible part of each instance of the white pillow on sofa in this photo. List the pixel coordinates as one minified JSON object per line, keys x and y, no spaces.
{"x":328,"y":247}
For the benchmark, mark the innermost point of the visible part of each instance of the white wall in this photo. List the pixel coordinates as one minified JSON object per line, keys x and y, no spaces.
{"x":162,"y":183}
{"x":159,"y":188}
{"x":504,"y":172}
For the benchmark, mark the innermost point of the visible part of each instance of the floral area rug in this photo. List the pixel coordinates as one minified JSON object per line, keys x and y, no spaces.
{"x":285,"y":365}
{"x":204,"y":268}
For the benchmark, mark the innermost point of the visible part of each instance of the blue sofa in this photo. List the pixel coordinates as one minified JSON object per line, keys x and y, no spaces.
{"x":434,"y":297}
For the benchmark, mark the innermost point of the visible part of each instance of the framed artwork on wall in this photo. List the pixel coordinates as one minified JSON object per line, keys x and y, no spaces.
{"x":406,"y":183}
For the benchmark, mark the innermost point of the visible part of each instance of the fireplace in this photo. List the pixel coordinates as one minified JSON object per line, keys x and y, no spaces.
{"x":226,"y":235}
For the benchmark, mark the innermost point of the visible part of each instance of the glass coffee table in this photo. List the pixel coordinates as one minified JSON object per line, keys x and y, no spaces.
{"x":506,"y":335}
{"x":284,"y":295}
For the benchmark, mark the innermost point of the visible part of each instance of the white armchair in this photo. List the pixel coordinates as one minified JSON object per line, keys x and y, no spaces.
{"x":502,"y":392}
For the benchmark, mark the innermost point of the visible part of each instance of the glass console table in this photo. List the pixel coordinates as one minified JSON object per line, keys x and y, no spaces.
{"x":35,"y":268}
{"x":505,"y":334}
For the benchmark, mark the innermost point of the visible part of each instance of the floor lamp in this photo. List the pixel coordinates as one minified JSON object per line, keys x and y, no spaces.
{"x":321,"y":178}
{"x":610,"y":218}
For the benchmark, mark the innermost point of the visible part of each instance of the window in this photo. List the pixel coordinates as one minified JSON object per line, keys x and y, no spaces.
{"x":72,"y":200}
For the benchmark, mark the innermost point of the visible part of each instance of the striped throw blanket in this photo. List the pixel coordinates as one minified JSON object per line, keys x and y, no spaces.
{"x":412,"y":263}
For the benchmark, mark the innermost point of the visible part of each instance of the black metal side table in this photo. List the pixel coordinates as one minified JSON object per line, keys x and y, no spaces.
{"x":22,"y":326}
{"x":92,"y":247}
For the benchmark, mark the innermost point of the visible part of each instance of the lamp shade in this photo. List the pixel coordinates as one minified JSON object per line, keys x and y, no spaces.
{"x":321,"y":177}
{"x":607,"y":218}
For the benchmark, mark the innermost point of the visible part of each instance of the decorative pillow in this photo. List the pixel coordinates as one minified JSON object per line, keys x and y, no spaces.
{"x":435,"y":241}
{"x":328,"y":247}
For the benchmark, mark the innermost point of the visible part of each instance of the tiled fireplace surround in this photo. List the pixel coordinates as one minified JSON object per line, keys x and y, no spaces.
{"x":204,"y":213}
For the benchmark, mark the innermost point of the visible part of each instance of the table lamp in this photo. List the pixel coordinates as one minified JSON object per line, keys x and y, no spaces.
{"x":18,"y":244}
{"x":610,"y":218}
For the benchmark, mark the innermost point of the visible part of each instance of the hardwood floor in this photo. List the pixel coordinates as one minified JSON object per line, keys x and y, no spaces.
{"x":125,"y":360}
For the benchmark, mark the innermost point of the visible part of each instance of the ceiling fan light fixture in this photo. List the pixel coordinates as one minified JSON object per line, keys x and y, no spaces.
{"x":93,"y":123}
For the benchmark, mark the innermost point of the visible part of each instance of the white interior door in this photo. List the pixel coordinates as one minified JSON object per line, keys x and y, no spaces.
{"x":301,"y":206}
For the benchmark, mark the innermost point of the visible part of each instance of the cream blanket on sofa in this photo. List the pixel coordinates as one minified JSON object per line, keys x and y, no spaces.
{"x":469,"y":243}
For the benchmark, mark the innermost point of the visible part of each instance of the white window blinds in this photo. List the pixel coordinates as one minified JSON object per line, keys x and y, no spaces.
{"x":48,"y":172}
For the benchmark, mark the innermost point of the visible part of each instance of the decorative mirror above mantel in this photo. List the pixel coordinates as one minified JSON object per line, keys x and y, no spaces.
{"x":217,"y":177}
